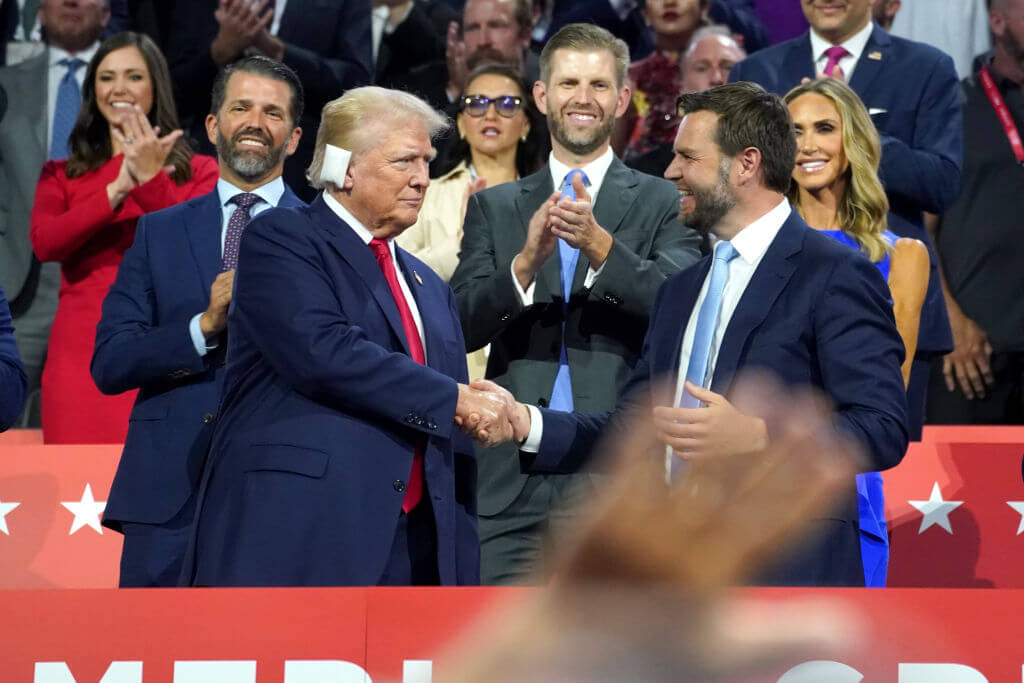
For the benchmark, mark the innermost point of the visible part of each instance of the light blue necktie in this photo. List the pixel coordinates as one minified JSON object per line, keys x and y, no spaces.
{"x":707,"y":321}
{"x":561,"y":393}
{"x":69,"y":100}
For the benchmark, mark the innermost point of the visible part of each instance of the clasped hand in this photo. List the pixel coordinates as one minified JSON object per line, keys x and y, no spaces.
{"x":490,"y":415}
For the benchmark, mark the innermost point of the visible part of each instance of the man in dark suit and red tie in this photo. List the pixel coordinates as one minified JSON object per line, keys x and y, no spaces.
{"x":164,"y":319}
{"x":337,"y":459}
{"x":775,"y":296}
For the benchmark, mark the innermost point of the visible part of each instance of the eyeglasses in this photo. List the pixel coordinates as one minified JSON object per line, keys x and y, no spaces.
{"x":506,"y":105}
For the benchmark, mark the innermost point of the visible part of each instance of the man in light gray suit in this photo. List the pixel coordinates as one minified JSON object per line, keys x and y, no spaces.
{"x":73,"y":28}
{"x":561,"y":289}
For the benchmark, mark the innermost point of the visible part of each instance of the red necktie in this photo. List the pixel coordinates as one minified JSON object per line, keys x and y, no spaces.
{"x":414,"y":490}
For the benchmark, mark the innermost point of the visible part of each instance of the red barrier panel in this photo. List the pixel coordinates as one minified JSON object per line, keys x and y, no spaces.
{"x":956,"y":512}
{"x":51,"y":499}
{"x":272,"y":635}
{"x":50,"y":537}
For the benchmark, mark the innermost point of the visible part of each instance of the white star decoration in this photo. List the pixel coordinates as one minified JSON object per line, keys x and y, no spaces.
{"x":86,"y":511}
{"x":936,"y":510}
{"x":4,"y":509}
{"x":1019,"y":507}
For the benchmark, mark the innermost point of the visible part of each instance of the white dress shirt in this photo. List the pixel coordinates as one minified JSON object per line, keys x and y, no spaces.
{"x":750,"y":243}
{"x":595,"y":171}
{"x":365,"y":235}
{"x":275,"y":25}
{"x":855,"y":46}
{"x":270,"y":195}
{"x":56,"y":74}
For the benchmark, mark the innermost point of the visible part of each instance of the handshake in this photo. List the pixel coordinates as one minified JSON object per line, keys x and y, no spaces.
{"x":490,"y":415}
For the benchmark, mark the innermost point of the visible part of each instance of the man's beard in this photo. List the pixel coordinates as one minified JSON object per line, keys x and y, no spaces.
{"x":580,"y":146}
{"x":249,"y":164}
{"x":711,"y":205}
{"x":485,"y":54}
{"x":1013,"y":46}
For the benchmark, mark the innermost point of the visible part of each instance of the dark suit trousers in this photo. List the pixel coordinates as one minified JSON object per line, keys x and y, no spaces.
{"x":152,"y":554}
{"x":413,"y":559}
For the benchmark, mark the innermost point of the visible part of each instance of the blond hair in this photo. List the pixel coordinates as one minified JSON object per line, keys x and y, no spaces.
{"x":344,"y":122}
{"x":863,"y":206}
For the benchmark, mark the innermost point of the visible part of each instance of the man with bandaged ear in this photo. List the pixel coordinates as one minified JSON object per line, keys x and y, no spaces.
{"x":337,"y":458}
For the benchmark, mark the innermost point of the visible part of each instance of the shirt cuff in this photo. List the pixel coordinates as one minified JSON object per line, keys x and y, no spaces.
{"x":198,"y":338}
{"x":525,"y":296}
{"x":592,"y":275}
{"x":532,"y":442}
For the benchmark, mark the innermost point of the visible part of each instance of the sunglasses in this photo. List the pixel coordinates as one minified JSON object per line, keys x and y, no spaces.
{"x":506,"y":105}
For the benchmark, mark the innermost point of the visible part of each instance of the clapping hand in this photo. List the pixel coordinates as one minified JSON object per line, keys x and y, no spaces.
{"x":145,"y":152}
{"x":574,"y":222}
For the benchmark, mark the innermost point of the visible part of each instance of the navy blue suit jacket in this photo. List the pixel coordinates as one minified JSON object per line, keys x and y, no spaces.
{"x":143,"y":342}
{"x":816,"y":314}
{"x":322,"y":409}
{"x":911,"y":91}
{"x":13,"y":380}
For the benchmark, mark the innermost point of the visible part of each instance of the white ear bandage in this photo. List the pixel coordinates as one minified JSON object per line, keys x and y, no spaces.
{"x":335,"y":165}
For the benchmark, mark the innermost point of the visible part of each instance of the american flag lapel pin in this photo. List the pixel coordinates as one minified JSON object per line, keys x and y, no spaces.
{"x":418,"y":278}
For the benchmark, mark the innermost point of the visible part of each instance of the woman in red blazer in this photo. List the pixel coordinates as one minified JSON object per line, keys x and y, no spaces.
{"x":84,"y":216}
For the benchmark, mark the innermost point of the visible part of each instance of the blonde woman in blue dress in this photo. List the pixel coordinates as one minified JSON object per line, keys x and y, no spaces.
{"x":836,"y":189}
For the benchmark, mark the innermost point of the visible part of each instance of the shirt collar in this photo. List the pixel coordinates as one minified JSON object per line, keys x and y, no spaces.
{"x":358,"y":228}
{"x":270,"y":193}
{"x":854,"y":45}
{"x":86,"y":55}
{"x":595,"y":171}
{"x":752,"y":241}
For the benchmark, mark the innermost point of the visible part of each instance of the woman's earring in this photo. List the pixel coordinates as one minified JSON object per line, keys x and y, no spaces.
{"x":523,"y":138}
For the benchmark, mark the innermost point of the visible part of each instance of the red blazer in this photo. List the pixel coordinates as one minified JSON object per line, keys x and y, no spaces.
{"x":72,"y":223}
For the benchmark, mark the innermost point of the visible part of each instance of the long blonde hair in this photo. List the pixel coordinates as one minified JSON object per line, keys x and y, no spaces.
{"x":863,"y":207}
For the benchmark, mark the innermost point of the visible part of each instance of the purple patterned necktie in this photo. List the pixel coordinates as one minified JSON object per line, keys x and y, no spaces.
{"x":236,"y":224}
{"x":832,"y":68}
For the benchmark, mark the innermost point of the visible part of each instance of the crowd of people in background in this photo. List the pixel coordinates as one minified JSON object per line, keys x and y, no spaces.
{"x":123,"y":122}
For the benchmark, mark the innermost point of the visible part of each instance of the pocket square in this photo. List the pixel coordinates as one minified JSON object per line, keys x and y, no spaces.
{"x":875,"y":110}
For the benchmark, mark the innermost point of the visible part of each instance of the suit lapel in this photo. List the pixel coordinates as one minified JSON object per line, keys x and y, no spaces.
{"x":768,"y":281}
{"x":534,"y":190}
{"x":37,"y":100}
{"x":362,"y":260}
{"x":677,"y":310}
{"x":799,"y":64}
{"x":618,"y":192}
{"x":869,"y":67}
{"x":203,"y":228}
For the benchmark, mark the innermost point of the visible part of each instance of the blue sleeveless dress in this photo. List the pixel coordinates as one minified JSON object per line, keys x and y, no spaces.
{"x":874,"y":541}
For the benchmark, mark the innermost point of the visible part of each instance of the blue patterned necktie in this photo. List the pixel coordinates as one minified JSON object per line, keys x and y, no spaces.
{"x":707,"y":321}
{"x":69,"y":99}
{"x":244,"y":201}
{"x":561,"y":393}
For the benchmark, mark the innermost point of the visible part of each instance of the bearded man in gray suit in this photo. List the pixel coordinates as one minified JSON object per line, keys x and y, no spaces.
{"x":27,"y":140}
{"x":560,"y":287}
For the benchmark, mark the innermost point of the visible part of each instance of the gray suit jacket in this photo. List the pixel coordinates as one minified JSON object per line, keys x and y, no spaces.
{"x":604,"y":326}
{"x":22,"y":155}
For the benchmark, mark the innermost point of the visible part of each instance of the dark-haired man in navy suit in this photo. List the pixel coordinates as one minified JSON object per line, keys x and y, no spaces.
{"x":910,"y":90}
{"x":774,"y":296}
{"x":164,"y":319}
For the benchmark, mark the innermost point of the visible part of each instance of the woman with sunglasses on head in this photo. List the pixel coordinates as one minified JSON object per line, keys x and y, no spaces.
{"x":127,"y":158}
{"x":836,"y":189}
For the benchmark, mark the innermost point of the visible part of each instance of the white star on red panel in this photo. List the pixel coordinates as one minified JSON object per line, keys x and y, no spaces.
{"x":5,"y":508}
{"x":1019,"y":507}
{"x":86,"y":511}
{"x":935,"y":510}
